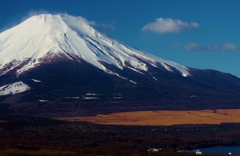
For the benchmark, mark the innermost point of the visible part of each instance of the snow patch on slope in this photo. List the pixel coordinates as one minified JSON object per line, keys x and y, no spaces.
{"x":14,"y":88}
{"x":35,"y":80}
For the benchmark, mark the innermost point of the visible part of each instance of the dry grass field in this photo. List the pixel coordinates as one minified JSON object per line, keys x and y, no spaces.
{"x":163,"y":118}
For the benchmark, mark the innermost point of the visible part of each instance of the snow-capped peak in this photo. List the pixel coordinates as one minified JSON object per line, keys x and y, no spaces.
{"x":48,"y":35}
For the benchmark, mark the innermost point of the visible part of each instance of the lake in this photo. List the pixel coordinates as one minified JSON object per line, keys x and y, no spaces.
{"x":235,"y":150}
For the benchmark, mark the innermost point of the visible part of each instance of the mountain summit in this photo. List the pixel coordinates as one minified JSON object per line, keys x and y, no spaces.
{"x":60,"y":63}
{"x":45,"y":36}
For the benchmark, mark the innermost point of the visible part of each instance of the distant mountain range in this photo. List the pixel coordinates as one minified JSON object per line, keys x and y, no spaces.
{"x":59,"y":64}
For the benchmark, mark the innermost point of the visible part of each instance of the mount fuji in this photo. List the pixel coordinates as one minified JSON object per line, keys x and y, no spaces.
{"x":60,"y":63}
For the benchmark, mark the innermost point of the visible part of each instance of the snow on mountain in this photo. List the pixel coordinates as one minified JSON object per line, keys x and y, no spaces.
{"x":45,"y":36}
{"x":34,"y":80}
{"x":15,"y":88}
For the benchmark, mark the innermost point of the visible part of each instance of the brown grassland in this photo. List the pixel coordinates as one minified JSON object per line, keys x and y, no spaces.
{"x":33,"y":135}
{"x":163,"y":118}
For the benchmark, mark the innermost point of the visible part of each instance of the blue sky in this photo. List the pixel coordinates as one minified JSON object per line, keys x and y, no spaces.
{"x":201,"y":34}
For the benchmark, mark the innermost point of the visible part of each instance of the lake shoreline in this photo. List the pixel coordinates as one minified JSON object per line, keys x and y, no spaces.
{"x":228,"y":150}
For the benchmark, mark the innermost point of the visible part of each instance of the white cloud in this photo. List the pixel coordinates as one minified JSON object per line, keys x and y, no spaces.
{"x":105,"y":26}
{"x":36,"y":12}
{"x":196,"y":47}
{"x":228,"y":47}
{"x":91,"y":23}
{"x":108,"y":26}
{"x":169,"y":25}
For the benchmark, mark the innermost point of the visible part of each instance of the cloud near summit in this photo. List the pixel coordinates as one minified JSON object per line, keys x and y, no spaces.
{"x":91,"y":23}
{"x":196,"y":47}
{"x":169,"y":25}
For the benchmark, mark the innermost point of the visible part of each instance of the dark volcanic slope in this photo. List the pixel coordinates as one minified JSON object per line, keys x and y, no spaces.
{"x":78,"y":88}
